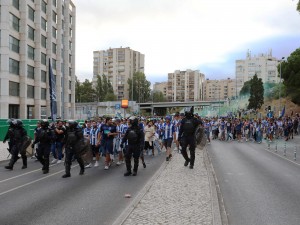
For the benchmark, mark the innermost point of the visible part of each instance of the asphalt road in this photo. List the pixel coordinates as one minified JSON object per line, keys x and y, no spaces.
{"x":259,"y":187}
{"x":29,"y":197}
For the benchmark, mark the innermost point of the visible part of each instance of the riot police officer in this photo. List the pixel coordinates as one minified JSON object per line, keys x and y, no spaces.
{"x":16,"y":135}
{"x":44,"y":137}
{"x":187,"y":136}
{"x":74,"y":146}
{"x":134,"y":138}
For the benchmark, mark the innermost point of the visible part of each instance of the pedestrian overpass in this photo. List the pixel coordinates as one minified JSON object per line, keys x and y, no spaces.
{"x":163,"y":107}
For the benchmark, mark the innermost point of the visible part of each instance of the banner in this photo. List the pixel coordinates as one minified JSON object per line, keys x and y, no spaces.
{"x":52,"y":89}
{"x":283,"y":112}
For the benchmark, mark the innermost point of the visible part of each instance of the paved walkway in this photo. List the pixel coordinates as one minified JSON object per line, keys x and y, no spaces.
{"x":176,"y":195}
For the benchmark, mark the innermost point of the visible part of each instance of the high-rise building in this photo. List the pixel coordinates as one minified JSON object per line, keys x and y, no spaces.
{"x":264,"y":65}
{"x":32,"y":32}
{"x":118,"y":64}
{"x":161,"y":87}
{"x":215,"y":90}
{"x":185,"y":86}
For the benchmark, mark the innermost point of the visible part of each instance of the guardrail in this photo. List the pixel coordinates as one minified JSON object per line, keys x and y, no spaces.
{"x":284,"y":148}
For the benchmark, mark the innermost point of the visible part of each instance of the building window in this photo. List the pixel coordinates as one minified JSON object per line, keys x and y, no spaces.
{"x":70,"y":45}
{"x":43,"y":41}
{"x":14,"y":66}
{"x":71,"y":19}
{"x":54,"y":16}
{"x":70,"y":97}
{"x":15,"y":22}
{"x":43,"y":76}
{"x":16,"y":4}
{"x":53,"y":48}
{"x":43,"y":93}
{"x":30,"y":91}
{"x":70,"y":71}
{"x":54,"y":32}
{"x":44,"y":7}
{"x":30,"y":72}
{"x":30,"y":13}
{"x":54,"y":2}
{"x":14,"y":44}
{"x":14,"y":89}
{"x":44,"y":24}
{"x":70,"y":32}
{"x":54,"y":64}
{"x":30,"y":33}
{"x":70,"y":58}
{"x":30,"y":52}
{"x":13,"y":111}
{"x":70,"y":84}
{"x":43,"y":59}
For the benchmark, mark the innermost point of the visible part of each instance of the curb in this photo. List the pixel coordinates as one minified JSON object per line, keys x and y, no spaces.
{"x":218,"y":207}
{"x":121,"y":219}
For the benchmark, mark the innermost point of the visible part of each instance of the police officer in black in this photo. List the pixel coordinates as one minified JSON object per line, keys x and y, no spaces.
{"x":74,"y":146}
{"x":16,"y":135}
{"x":134,"y":136}
{"x":44,"y":137}
{"x":187,"y":136}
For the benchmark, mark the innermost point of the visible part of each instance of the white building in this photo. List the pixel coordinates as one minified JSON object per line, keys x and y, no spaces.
{"x":118,"y":64}
{"x":185,"y":86}
{"x":32,"y":32}
{"x":215,"y":90}
{"x":161,"y":87}
{"x":264,"y":65}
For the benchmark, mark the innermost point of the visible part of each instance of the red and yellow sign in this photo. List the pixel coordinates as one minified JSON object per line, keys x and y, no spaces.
{"x":124,"y":103}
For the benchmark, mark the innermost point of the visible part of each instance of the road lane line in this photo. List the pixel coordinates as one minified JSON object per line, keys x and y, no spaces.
{"x":32,"y":182}
{"x":23,"y":174}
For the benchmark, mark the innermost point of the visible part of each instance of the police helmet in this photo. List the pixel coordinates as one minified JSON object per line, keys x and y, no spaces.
{"x":72,"y":123}
{"x":10,"y":122}
{"x":44,"y":123}
{"x":189,"y":112}
{"x":133,"y":121}
{"x":19,"y":123}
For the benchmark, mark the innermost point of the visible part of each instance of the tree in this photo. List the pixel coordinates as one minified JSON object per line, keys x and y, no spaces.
{"x":158,"y":96}
{"x":246,"y":88}
{"x":104,"y":90}
{"x":298,"y":6}
{"x":256,"y":99}
{"x":99,"y":89}
{"x":110,"y":97}
{"x":290,"y":73}
{"x":141,"y":87}
{"x":87,"y":92}
{"x":77,"y":90}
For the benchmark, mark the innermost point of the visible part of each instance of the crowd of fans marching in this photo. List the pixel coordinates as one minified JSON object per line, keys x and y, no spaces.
{"x":229,"y":129}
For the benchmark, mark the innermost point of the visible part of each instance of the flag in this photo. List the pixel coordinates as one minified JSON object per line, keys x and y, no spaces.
{"x":52,"y":89}
{"x":283,"y":112}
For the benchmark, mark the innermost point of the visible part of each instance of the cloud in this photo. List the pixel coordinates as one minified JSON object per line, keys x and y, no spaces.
{"x":175,"y":34}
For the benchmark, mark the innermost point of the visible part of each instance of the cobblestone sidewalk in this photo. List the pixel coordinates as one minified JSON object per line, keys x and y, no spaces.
{"x":179,"y":195}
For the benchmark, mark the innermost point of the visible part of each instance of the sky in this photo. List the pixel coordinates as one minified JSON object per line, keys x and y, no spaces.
{"x":204,"y":35}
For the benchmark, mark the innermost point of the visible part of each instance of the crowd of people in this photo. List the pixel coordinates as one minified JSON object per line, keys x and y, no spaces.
{"x":115,"y":140}
{"x":239,"y":129}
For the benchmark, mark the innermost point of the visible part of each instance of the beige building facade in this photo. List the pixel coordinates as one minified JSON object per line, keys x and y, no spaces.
{"x":32,"y":32}
{"x":264,"y":65}
{"x":161,"y":87}
{"x":215,"y":90}
{"x":185,"y":86}
{"x":118,"y":64}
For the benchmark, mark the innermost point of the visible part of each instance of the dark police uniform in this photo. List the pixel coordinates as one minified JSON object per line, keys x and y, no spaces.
{"x":134,"y":137}
{"x":74,"y":146}
{"x":187,"y":137}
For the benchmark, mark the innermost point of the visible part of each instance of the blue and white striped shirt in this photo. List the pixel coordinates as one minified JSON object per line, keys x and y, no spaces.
{"x":168,"y":131}
{"x":94,"y":136}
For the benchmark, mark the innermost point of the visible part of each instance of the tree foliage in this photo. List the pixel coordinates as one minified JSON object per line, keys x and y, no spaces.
{"x":246,"y":88}
{"x":158,"y":96}
{"x":85,"y":92}
{"x":290,"y":70}
{"x":141,"y":87}
{"x":298,"y":6}
{"x":256,"y":99}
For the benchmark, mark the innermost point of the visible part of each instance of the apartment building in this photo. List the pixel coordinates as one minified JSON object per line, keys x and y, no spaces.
{"x":161,"y":87}
{"x":118,"y":64}
{"x":185,"y":86}
{"x":215,"y":90}
{"x":264,"y":65}
{"x":32,"y":32}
